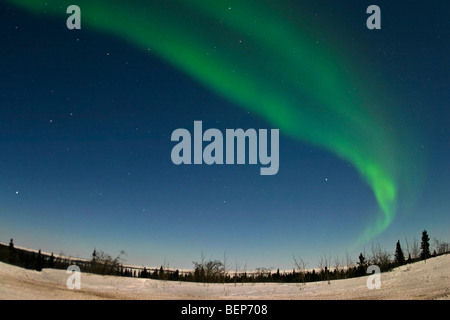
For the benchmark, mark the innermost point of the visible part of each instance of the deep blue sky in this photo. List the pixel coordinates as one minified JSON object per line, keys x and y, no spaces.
{"x":85,"y":126}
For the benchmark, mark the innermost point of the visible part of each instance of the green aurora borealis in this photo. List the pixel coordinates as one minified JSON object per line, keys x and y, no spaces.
{"x":257,"y":56}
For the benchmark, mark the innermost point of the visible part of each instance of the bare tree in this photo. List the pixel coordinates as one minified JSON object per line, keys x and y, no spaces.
{"x":236,"y":271}
{"x":444,"y":248}
{"x":415,"y":249}
{"x":380,"y":257}
{"x":226,"y":268}
{"x":245,"y":271}
{"x":164,"y":270}
{"x":103,"y":263}
{"x":263,"y":272}
{"x":301,"y":267}
{"x":324,"y":265}
{"x":337,"y":267}
{"x":348,"y":260}
{"x":408,"y":250}
{"x":436,"y":244}
{"x":208,"y":271}
{"x":440,"y":247}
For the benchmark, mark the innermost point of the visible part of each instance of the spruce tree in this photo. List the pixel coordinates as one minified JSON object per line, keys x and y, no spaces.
{"x":399,"y":257}
{"x":425,"y":246}
{"x":39,"y":261}
{"x":51,"y":261}
{"x":11,"y":253}
{"x":361,"y":264}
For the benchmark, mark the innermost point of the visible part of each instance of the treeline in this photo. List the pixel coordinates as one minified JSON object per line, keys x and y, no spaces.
{"x":216,"y":271}
{"x":100,"y":263}
{"x":30,"y":259}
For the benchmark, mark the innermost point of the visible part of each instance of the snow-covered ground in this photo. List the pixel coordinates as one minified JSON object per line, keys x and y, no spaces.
{"x":422,"y":280}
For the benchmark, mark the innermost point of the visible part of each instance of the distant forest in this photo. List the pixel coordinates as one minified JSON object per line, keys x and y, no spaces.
{"x":220,"y":271}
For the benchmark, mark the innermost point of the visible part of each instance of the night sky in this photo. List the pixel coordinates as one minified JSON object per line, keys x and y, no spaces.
{"x":86,"y":118}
